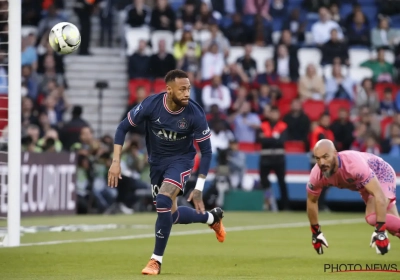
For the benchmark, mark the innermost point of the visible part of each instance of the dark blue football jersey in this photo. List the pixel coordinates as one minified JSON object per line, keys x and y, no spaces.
{"x":169,"y":134}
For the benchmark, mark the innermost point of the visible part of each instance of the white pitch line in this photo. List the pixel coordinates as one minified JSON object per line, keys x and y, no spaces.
{"x":194,"y":232}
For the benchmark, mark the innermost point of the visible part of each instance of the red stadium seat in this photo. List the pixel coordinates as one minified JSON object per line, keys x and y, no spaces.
{"x":384,"y":124}
{"x":159,"y":86}
{"x":3,"y":112}
{"x":284,"y":106}
{"x":313,"y":109}
{"x":134,"y":84}
{"x":380,"y":89}
{"x":289,"y":90}
{"x":249,"y":147}
{"x":337,"y":104}
{"x":295,"y":147}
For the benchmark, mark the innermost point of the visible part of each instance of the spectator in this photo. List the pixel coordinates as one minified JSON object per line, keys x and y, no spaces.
{"x":278,"y":9}
{"x":334,"y":48}
{"x":246,"y":124}
{"x":215,"y":115}
{"x":31,"y":12}
{"x":33,"y":132}
{"x":237,"y":164}
{"x":212,"y":63}
{"x":387,"y":106}
{"x":138,"y":14}
{"x":227,"y":7}
{"x":358,"y":32}
{"x":50,"y":136}
{"x":240,"y":97}
{"x":360,"y":135}
{"x":162,"y":62}
{"x":84,"y":10}
{"x":28,"y":113}
{"x":27,"y":145}
{"x":397,"y":101}
{"x":339,"y":86}
{"x":187,"y":52}
{"x":139,"y":62}
{"x":311,"y":85}
{"x":367,"y":96}
{"x":28,"y":52}
{"x":322,"y":130}
{"x":287,"y":64}
{"x":50,"y":19}
{"x":295,"y":26}
{"x":163,"y":16}
{"x":50,"y":73}
{"x":221,"y":136}
{"x":206,"y":17}
{"x":371,"y":146}
{"x":334,"y":10}
{"x":370,"y":119}
{"x":44,"y":123}
{"x":216,"y":93}
{"x":217,"y":38}
{"x":238,"y":33}
{"x":263,"y":98}
{"x":342,"y":130}
{"x":298,"y":123}
{"x":71,"y":131}
{"x":269,"y":77}
{"x":44,"y":49}
{"x":383,"y":36}
{"x":391,"y":145}
{"x":253,"y":7}
{"x":351,"y":18}
{"x":30,"y":79}
{"x":248,"y":64}
{"x":106,"y":22}
{"x":234,"y":77}
{"x":84,"y":181}
{"x":272,"y":137}
{"x":322,"y":28}
{"x":314,"y":6}
{"x":186,"y":15}
{"x":382,"y":70}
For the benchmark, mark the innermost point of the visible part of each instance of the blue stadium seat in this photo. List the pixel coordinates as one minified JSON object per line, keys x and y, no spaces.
{"x":345,"y":10}
{"x":248,"y":20}
{"x":176,"y":4}
{"x":395,"y":21}
{"x":276,"y":24}
{"x":310,"y":24}
{"x":370,"y":12}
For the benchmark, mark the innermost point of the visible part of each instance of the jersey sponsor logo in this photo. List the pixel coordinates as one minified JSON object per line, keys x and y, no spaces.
{"x":182,"y":124}
{"x":138,"y":108}
{"x":169,"y":135}
{"x":206,"y":131}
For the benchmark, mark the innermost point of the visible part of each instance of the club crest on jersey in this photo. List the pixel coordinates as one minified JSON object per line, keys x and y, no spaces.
{"x":182,"y":124}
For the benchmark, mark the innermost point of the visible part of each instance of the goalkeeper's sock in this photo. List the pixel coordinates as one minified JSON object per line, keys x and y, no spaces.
{"x":163,"y":225}
{"x":392,"y":222}
{"x":187,"y":215}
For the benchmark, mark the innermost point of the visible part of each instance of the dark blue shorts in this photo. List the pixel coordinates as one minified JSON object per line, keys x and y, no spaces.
{"x":176,"y":173}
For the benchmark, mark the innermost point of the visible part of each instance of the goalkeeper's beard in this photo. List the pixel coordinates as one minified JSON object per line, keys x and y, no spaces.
{"x":328,"y":173}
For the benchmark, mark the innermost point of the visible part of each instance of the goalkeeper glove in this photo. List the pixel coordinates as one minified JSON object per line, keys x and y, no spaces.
{"x":318,"y":239}
{"x":379,"y":239}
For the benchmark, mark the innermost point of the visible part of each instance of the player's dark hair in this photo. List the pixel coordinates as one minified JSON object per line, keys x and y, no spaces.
{"x":175,"y":74}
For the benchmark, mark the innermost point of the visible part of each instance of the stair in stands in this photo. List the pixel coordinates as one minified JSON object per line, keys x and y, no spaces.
{"x":82,"y":72}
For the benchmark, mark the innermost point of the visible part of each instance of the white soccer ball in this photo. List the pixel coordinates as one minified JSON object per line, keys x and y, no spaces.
{"x":64,"y":38}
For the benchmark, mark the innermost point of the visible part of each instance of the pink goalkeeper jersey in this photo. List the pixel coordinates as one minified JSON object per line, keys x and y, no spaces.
{"x":355,"y":170}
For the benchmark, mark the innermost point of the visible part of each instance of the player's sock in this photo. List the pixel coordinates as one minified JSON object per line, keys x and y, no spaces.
{"x":392,"y":222}
{"x":163,"y":225}
{"x":187,"y":215}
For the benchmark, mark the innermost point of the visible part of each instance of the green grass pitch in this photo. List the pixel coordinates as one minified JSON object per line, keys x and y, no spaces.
{"x":257,"y":246}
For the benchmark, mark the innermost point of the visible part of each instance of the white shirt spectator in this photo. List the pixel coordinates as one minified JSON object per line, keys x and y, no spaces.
{"x":244,"y":130}
{"x":212,"y":64}
{"x":221,"y":140}
{"x":219,"y":95}
{"x":321,"y":31}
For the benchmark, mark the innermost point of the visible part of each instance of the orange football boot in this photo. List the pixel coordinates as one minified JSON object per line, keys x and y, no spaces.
{"x":153,"y":267}
{"x":217,"y":225}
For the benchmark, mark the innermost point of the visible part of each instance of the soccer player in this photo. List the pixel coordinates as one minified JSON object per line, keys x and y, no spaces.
{"x":172,"y":121}
{"x":368,"y":174}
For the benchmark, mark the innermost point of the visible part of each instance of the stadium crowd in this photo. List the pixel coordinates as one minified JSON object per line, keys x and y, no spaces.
{"x":286,"y":105}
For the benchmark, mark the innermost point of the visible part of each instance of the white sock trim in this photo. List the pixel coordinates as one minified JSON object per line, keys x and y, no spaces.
{"x":210,"y":219}
{"x":157,"y":258}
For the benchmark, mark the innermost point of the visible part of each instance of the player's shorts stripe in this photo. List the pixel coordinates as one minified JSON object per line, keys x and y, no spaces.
{"x":177,"y":218}
{"x":163,"y":210}
{"x":185,"y":174}
{"x":168,"y":110}
{"x":130,"y":119}
{"x":173,"y":182}
{"x":204,"y":138}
